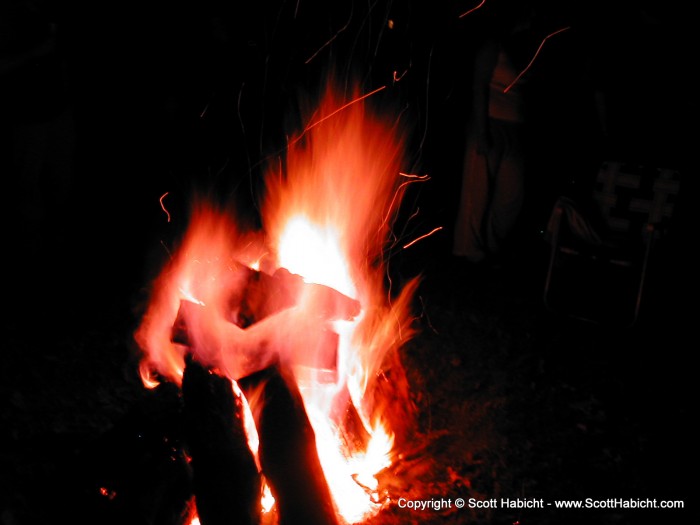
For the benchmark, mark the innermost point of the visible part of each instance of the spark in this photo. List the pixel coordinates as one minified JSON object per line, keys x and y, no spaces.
{"x":427,"y":97}
{"x":163,"y":205}
{"x":425,"y":314}
{"x":472,"y":9}
{"x":341,"y":108}
{"x":330,"y":40}
{"x":422,"y":237}
{"x":413,"y":176}
{"x":109,"y":494}
{"x":397,"y":77}
{"x":323,"y":46}
{"x":414,"y":214}
{"x":167,"y":250}
{"x":534,"y":57}
{"x":416,"y":178}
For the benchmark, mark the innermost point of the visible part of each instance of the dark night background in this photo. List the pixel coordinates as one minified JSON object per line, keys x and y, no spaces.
{"x":105,"y":107}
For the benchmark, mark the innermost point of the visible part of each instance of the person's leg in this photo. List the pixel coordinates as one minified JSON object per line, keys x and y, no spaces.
{"x":507,"y":188}
{"x":468,"y":241}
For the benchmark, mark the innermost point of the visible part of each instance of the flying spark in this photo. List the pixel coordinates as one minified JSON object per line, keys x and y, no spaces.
{"x":163,"y":205}
{"x":416,"y":178}
{"x":397,"y":77}
{"x":329,"y":41}
{"x":414,"y":241}
{"x":534,"y":57}
{"x":413,"y":176}
{"x":341,"y":108}
{"x":472,"y":9}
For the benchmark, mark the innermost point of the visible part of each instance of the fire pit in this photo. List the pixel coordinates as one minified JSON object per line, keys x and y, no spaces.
{"x":300,"y":323}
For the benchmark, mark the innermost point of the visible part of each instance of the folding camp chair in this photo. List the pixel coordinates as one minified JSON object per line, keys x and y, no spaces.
{"x":602,"y":250}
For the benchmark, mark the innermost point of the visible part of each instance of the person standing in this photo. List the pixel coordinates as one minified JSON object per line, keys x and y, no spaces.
{"x":492,"y":188}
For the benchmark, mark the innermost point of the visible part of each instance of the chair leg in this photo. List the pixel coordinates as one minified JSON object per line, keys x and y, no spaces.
{"x":650,"y":230}
{"x":552,"y":254}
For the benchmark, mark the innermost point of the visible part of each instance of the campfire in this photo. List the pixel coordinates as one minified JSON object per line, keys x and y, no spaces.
{"x":284,"y":339}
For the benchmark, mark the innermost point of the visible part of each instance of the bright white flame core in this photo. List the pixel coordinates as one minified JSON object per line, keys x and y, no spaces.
{"x":314,"y":253}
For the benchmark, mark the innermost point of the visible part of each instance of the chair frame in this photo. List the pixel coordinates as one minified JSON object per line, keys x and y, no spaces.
{"x":654,"y":228}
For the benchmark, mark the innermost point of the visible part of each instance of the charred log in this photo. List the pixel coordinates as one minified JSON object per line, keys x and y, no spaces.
{"x":265,"y":295}
{"x":260,"y":295}
{"x":288,"y":454}
{"x":226,"y":482}
{"x":242,"y":339}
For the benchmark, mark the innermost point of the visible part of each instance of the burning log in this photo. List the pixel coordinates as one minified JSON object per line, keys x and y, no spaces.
{"x":265,"y":295}
{"x":255,"y":296}
{"x":264,"y":318}
{"x":226,"y":482}
{"x":353,"y":432}
{"x":288,"y":454}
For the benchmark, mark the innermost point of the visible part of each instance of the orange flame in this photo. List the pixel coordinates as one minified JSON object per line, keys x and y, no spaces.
{"x":326,"y":219}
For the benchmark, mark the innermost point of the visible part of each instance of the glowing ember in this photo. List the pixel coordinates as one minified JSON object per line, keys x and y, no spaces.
{"x":326,"y":221}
